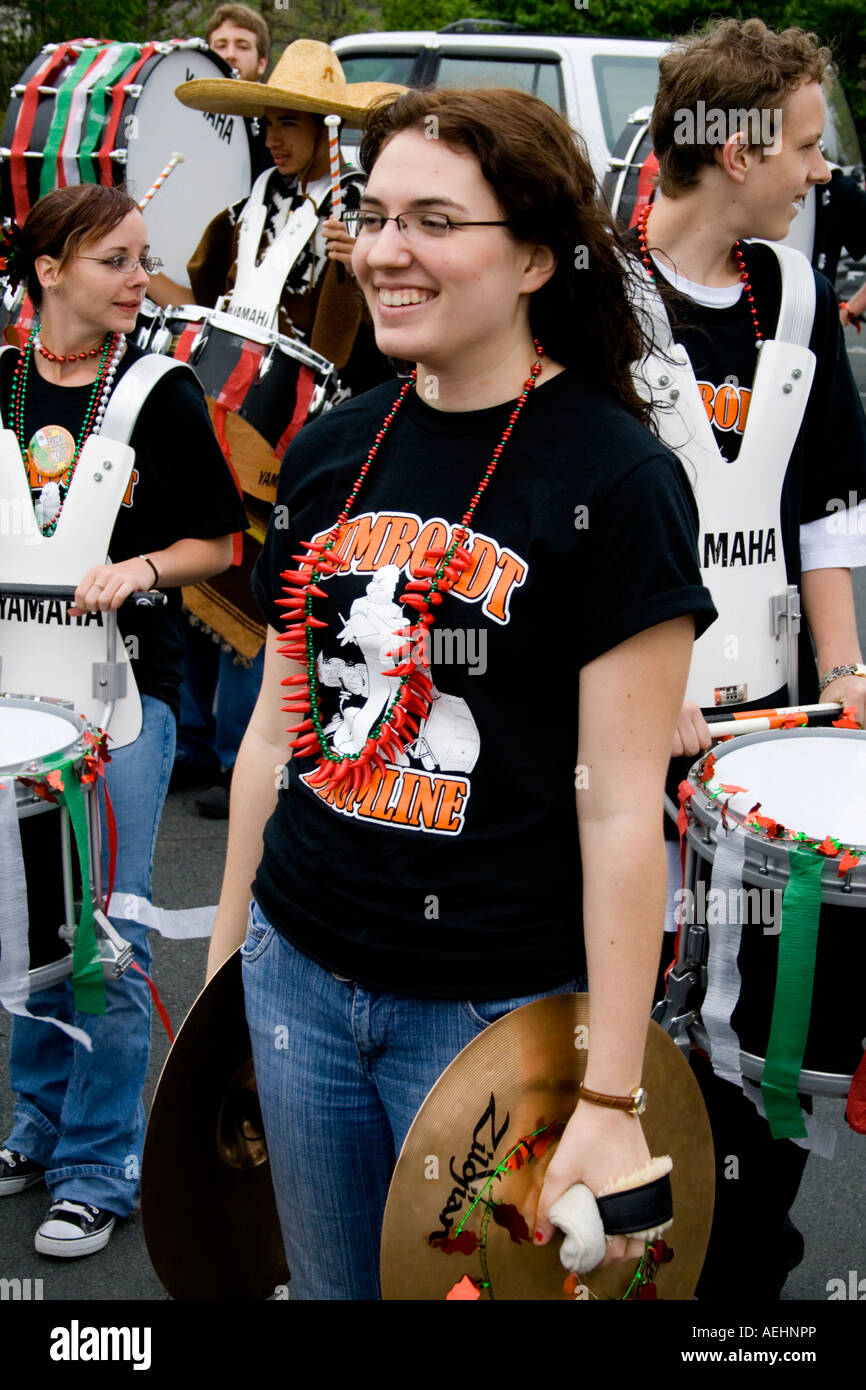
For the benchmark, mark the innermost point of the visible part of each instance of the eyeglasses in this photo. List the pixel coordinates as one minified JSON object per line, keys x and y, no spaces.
{"x":125,"y":265}
{"x":411,"y":224}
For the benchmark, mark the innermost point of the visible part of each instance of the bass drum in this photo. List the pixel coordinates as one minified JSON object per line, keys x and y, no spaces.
{"x":89,"y":111}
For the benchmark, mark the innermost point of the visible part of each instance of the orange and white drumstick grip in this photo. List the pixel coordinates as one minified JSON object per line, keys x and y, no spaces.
{"x":333,"y":124}
{"x":158,"y":182}
{"x":755,"y":721}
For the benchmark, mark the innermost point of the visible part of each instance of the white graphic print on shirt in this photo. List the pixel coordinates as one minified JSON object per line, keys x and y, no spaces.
{"x":419,"y":789}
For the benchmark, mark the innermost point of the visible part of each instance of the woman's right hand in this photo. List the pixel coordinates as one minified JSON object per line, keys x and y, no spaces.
{"x":692,"y":735}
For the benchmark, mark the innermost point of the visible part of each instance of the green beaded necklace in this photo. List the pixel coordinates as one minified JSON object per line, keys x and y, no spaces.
{"x":18,"y":397}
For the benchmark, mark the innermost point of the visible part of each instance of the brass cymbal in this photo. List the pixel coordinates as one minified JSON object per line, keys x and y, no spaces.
{"x":508,"y":1094}
{"x":207,"y":1200}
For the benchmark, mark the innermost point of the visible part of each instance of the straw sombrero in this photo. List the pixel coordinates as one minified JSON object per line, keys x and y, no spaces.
{"x":308,"y":77}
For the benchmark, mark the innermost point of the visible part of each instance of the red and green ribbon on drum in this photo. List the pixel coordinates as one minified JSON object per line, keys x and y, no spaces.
{"x":60,"y":781}
{"x":792,"y":1004}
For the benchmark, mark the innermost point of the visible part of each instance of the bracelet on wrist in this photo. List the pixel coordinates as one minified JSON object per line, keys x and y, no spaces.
{"x":836,"y":672}
{"x":148,"y":560}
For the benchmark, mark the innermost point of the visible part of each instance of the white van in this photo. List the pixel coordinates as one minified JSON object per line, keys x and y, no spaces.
{"x":595,"y":83}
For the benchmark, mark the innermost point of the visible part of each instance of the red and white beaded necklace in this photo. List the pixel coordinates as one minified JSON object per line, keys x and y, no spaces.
{"x":441,"y":569}
{"x":741,"y":266}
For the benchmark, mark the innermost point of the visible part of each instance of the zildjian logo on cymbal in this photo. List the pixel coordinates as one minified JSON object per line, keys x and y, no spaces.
{"x":476,"y":1168}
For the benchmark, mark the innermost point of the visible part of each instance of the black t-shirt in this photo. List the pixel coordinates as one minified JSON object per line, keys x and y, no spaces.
{"x":180,"y":487}
{"x":828,"y":461}
{"x":458,"y":873}
{"x":840,"y":221}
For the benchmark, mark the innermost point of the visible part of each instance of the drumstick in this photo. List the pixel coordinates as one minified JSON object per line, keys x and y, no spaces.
{"x":333,"y":124}
{"x":157,"y":183}
{"x":756,"y":721}
{"x":781,"y":713}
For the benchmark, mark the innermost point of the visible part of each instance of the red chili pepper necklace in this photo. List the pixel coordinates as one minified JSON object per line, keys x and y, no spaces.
{"x":442,"y":567}
{"x":741,"y":265}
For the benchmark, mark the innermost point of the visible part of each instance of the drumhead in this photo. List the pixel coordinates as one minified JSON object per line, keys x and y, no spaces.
{"x":29,"y":732}
{"x":809,"y":780}
{"x":216,"y":158}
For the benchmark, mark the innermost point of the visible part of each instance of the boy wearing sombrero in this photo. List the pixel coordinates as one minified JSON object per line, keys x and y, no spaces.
{"x":291,"y":202}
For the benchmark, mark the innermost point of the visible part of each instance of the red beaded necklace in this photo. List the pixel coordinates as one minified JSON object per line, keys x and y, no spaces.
{"x":741,"y":266}
{"x":70,"y":357}
{"x":441,"y":568}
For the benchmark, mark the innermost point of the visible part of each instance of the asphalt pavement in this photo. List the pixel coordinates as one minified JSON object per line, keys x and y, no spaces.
{"x":830,"y":1209}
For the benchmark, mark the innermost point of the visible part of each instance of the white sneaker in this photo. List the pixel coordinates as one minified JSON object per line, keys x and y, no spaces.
{"x":74,"y":1228}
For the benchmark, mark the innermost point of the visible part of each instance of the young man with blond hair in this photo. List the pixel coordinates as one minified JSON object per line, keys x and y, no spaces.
{"x":240,"y":36}
{"x":736,"y":129}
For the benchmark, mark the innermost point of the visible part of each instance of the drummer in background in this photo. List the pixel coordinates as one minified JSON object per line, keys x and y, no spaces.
{"x":317,"y":302}
{"x":240,"y":36}
{"x":711,"y":197}
{"x":79,"y":1118}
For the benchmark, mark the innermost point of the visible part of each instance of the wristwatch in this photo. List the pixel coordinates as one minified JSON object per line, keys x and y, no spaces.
{"x":634,"y":1104}
{"x":857,"y":670}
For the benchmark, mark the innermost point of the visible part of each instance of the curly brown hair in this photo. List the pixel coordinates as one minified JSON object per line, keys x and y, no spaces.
{"x":65,"y":220}
{"x":540,"y":173}
{"x":734,"y":67}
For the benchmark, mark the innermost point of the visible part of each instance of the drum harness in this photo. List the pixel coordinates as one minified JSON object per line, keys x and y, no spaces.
{"x":757,"y":608}
{"x":110,"y":683}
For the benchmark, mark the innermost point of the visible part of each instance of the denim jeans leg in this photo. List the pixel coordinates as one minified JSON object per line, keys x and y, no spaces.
{"x":201,"y":664}
{"x":329,"y":1140}
{"x":423,"y":1038}
{"x":237,"y":693}
{"x":341,"y":1073}
{"x":96,"y":1154}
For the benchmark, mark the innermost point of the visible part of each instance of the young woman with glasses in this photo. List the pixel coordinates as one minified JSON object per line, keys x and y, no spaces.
{"x":79,"y":1120}
{"x":427,"y":863}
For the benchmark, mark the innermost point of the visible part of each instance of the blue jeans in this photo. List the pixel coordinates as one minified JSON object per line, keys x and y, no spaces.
{"x":341,"y":1073}
{"x":80,"y":1113}
{"x":209,"y":673}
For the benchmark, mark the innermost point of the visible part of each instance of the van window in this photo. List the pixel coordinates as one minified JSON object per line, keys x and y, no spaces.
{"x":380,"y":67}
{"x":539,"y":77}
{"x":623,"y":85}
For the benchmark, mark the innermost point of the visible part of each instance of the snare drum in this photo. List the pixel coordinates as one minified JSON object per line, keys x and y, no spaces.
{"x":44,"y":743}
{"x":261,"y":386}
{"x":760,"y":800}
{"x":103,"y":112}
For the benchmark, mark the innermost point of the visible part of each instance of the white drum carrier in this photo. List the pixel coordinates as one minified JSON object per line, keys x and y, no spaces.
{"x":751,"y":651}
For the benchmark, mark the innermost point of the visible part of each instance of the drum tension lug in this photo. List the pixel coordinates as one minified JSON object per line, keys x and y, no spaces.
{"x":785,"y":613}
{"x":109,"y":680}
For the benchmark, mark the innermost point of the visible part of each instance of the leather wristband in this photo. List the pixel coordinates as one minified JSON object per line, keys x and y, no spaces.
{"x":634,"y":1104}
{"x":153,"y":567}
{"x":638,"y":1208}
